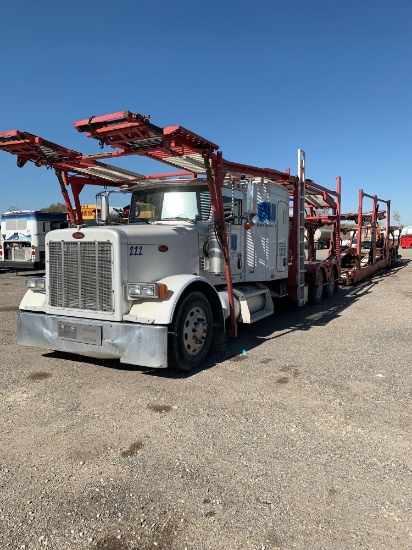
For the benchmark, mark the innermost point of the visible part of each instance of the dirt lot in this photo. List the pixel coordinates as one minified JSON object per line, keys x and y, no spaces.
{"x":298,"y":437}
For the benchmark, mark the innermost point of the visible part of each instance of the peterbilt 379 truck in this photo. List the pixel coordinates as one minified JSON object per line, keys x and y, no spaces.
{"x":204,"y":248}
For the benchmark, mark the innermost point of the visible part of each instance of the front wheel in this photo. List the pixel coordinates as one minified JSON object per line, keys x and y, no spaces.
{"x":191,"y":334}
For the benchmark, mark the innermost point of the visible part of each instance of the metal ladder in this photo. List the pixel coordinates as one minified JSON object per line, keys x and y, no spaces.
{"x":300,"y":230}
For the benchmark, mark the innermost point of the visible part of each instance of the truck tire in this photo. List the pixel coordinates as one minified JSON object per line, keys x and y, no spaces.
{"x":330,"y":287}
{"x":316,"y":288}
{"x":393,"y":259}
{"x":191,"y":334}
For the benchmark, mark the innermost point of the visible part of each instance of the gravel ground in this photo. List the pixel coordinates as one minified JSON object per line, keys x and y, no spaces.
{"x":304,"y":441}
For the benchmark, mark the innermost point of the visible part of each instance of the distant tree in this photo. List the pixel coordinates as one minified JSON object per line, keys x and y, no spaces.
{"x":397,"y":217}
{"x":58,"y":207}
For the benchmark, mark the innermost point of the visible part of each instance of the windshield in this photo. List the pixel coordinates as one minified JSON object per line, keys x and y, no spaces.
{"x":170,"y":203}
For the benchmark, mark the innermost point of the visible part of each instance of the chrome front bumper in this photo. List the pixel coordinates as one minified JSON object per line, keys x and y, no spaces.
{"x":132,"y":343}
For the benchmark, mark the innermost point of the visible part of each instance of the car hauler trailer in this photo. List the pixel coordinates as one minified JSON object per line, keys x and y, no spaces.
{"x":206,"y":248}
{"x":370,"y":248}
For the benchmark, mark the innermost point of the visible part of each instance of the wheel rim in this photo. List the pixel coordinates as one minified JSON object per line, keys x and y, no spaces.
{"x":195,"y":330}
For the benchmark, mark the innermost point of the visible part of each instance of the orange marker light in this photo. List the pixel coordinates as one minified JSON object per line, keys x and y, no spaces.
{"x":162,"y":290}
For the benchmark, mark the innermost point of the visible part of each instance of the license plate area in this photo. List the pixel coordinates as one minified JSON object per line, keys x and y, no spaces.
{"x":79,"y":332}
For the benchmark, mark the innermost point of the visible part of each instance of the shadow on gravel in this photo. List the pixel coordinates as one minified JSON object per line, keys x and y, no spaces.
{"x":290,"y":318}
{"x":4,"y":309}
{"x":115,"y":364}
{"x":287,"y":318}
{"x":24,"y":273}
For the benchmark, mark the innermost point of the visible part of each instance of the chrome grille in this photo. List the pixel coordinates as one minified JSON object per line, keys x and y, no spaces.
{"x":81,"y":275}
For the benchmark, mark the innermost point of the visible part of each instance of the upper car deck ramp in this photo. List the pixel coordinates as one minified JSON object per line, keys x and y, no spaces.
{"x":133,"y":134}
{"x":176,"y":146}
{"x":28,"y":147}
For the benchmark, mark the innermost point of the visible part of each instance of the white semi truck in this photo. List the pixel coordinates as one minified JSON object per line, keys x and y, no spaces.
{"x":153,"y":292}
{"x":204,"y":249}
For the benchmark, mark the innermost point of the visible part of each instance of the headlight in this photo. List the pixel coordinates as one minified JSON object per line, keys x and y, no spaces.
{"x":146,"y":290}
{"x":134,"y":291}
{"x":36,"y":283}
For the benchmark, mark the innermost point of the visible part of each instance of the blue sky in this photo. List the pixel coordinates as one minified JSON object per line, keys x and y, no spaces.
{"x":260,"y":78}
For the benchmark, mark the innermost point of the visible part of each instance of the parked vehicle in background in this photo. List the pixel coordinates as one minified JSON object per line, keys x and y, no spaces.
{"x":322,"y":238}
{"x":406,"y":236}
{"x":92,"y":214}
{"x":23,"y":234}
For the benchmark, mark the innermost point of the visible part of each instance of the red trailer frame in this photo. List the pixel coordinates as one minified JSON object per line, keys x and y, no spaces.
{"x":132,"y":134}
{"x":359,"y":263}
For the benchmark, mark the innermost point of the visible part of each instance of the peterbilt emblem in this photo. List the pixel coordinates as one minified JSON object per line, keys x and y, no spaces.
{"x":78,"y":235}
